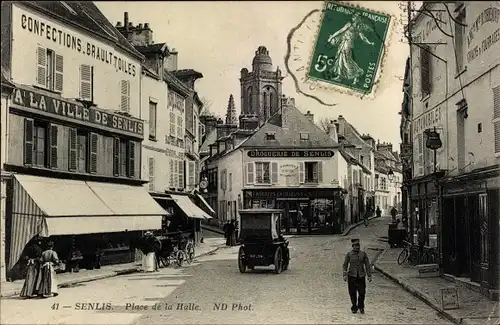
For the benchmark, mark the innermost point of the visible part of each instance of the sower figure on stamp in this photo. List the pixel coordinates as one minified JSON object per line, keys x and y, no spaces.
{"x":356,"y":267}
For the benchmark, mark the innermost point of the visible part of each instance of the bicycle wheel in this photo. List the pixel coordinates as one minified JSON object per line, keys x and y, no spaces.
{"x":165,"y":261}
{"x":403,"y":256}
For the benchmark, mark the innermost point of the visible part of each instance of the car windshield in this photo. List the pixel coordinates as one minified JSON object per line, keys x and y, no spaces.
{"x":256,"y":222}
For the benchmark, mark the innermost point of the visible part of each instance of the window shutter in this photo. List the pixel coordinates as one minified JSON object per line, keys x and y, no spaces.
{"x":302,"y":174}
{"x":125,"y":96}
{"x":86,"y":72}
{"x":151,"y":170}
{"x":320,"y":172}
{"x":41,"y":73}
{"x":425,"y":70}
{"x":72,"y":150}
{"x":196,"y":174}
{"x":131,"y":159}
{"x":192,"y":173}
{"x":496,"y":127}
{"x":172,"y":171}
{"x":28,"y":141}
{"x":250,"y":173}
{"x":116,"y":156}
{"x":496,"y":102}
{"x":53,"y":145}
{"x":221,"y":179}
{"x":176,"y":173}
{"x":173,"y":128}
{"x":93,"y":153}
{"x":181,"y":173}
{"x":59,"y":73}
{"x":225,"y":179}
{"x":274,"y":172}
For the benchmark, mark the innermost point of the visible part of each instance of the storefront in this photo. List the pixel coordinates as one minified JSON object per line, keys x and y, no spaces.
{"x":424,"y":207}
{"x":470,"y":236}
{"x":323,"y":209}
{"x":85,"y":216}
{"x":185,"y":216}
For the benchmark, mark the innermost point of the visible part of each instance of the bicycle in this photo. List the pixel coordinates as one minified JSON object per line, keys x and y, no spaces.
{"x":430,"y":256}
{"x":175,"y":254}
{"x":189,"y":252}
{"x":407,"y":254}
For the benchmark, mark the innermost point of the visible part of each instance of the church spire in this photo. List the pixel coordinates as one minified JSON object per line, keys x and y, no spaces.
{"x":231,"y":117}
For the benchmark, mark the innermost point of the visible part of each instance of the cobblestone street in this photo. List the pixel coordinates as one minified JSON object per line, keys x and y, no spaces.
{"x":312,"y":291}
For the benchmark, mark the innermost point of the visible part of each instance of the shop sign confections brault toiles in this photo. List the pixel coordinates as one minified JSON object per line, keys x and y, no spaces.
{"x":96,"y":117}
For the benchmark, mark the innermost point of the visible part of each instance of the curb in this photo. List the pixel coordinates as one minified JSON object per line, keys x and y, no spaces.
{"x":422,"y":296}
{"x":112,"y":274}
{"x":354,"y":226}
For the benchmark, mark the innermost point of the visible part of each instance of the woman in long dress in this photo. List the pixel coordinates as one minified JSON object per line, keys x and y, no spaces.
{"x":345,"y":66}
{"x":148,"y":251}
{"x":33,"y":253}
{"x":47,"y":280}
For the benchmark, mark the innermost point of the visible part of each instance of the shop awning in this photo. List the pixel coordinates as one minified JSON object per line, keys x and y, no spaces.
{"x":202,"y":199}
{"x":49,"y":206}
{"x":189,"y":208}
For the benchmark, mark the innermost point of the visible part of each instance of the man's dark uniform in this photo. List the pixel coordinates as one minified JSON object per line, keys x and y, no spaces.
{"x":356,"y":267}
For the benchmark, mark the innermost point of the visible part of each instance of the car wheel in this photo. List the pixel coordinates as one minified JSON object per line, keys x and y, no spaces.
{"x":278,"y":261}
{"x":241,"y":260}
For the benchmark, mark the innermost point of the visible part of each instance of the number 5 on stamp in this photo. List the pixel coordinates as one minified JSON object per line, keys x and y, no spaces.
{"x":349,"y":47}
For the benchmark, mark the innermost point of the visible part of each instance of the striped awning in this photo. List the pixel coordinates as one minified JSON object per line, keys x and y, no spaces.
{"x":189,"y":208}
{"x":47,"y":207}
{"x":202,"y":199}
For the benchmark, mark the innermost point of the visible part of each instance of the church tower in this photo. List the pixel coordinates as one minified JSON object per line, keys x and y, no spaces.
{"x":261,"y":91}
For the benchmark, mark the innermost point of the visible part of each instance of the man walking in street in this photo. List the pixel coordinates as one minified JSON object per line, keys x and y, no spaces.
{"x":356,"y":267}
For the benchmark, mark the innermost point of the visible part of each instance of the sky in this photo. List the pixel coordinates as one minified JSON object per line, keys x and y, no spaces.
{"x":219,"y":38}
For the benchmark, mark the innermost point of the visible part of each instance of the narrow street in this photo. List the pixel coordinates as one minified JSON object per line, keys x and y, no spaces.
{"x":312,"y":291}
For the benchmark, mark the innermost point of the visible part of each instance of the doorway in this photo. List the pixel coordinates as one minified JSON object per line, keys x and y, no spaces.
{"x":475,"y":237}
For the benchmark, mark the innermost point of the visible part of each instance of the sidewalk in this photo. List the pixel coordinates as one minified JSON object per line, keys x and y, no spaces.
{"x":349,"y":228}
{"x":474,"y":308}
{"x":8,"y":289}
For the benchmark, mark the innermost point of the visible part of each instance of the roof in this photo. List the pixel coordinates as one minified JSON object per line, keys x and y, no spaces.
{"x":209,"y":139}
{"x":347,"y":156}
{"x":353,"y":136}
{"x":149,"y":72}
{"x":175,"y":83}
{"x":187,"y":72}
{"x":288,"y":136}
{"x":153,"y":48}
{"x":87,"y":16}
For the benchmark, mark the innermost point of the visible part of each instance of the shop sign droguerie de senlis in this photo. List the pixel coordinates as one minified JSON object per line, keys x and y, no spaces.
{"x":56,"y":106}
{"x":290,"y":153}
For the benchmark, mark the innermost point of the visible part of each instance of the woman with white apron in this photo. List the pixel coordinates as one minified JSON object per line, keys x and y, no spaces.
{"x":148,"y":253}
{"x":47,"y":285}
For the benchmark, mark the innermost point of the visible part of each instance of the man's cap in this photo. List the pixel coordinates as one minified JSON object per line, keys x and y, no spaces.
{"x":355,"y":241}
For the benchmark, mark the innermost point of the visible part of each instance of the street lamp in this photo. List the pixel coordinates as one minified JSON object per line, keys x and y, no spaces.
{"x":390,"y":175}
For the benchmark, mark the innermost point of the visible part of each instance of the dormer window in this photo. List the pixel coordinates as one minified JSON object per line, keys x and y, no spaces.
{"x":270,"y":136}
{"x":304,"y":136}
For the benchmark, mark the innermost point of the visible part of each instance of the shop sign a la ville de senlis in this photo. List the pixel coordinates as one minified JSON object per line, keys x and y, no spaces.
{"x":37,"y":102}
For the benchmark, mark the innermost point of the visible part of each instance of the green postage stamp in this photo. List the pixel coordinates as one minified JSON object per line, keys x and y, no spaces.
{"x":349,"y":47}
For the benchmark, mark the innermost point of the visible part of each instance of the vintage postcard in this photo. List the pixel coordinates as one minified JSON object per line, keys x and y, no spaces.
{"x":251,"y":162}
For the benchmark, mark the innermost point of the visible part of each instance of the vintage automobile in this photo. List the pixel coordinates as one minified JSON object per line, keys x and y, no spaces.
{"x":262,"y":243}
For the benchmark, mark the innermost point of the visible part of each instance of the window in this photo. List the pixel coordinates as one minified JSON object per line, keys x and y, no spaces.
{"x":175,"y":101}
{"x":50,"y":67}
{"x":40,"y":156}
{"x":180,"y":133}
{"x":151,"y":169}
{"x":311,"y":172}
{"x":425,"y":70}
{"x":496,"y":118}
{"x":459,"y":37}
{"x":230,"y":182}
{"x":270,"y":136}
{"x":172,"y":173}
{"x":262,"y":173}
{"x":152,"y":120}
{"x":125,"y":96}
{"x":124,"y":158}
{"x":304,"y":136}
{"x":86,"y":82}
{"x":173,"y":128}
{"x":81,"y":152}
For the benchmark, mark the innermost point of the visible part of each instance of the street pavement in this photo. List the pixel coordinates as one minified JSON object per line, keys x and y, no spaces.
{"x":311,"y":291}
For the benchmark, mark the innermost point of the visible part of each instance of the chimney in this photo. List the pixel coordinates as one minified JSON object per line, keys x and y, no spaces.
{"x":171,"y":62}
{"x":332,"y":131}
{"x":118,"y":24}
{"x":125,"y":21}
{"x":309,"y":116}
{"x":139,"y":26}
